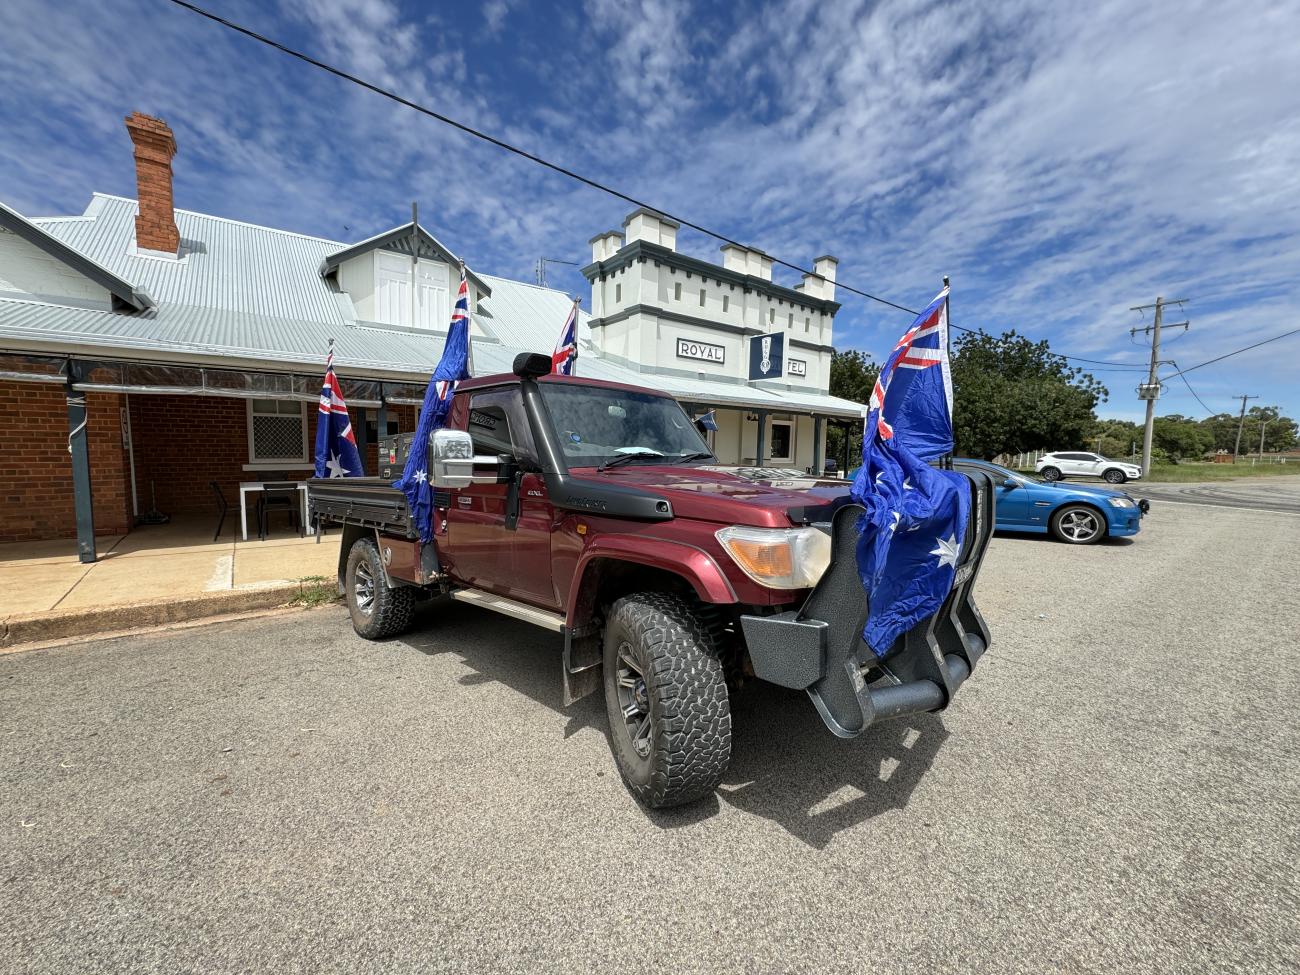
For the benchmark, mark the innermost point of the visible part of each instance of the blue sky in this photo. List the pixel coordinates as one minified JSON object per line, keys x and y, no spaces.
{"x":1060,"y":162}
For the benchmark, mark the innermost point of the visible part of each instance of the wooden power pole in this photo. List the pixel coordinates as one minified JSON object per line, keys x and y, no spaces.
{"x":1150,"y":390}
{"x":1241,"y":423}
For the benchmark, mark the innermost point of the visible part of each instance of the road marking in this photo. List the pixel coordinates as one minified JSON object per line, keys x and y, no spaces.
{"x":1235,"y":507}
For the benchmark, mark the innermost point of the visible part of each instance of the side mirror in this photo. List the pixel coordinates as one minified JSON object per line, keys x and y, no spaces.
{"x":1009,"y":483}
{"x":452,"y":463}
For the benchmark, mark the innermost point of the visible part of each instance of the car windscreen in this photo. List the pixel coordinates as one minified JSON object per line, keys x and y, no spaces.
{"x":595,"y":424}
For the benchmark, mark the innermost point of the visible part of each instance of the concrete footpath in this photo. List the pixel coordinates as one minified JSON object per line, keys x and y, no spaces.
{"x":153,"y":575}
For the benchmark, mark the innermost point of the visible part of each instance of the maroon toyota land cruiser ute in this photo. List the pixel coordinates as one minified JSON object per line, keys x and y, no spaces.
{"x":596,"y":510}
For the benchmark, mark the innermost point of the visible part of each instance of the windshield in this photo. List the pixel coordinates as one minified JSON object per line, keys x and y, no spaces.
{"x":595,"y":424}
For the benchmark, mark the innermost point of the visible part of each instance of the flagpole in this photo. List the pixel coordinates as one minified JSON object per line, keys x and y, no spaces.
{"x":469,"y":321}
{"x":946,"y":463}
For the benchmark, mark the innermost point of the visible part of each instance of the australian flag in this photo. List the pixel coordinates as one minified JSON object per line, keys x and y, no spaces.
{"x":336,"y":444}
{"x":451,"y":369}
{"x":916,"y":515}
{"x":566,"y":349}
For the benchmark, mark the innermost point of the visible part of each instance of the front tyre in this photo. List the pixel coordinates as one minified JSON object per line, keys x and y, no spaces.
{"x":377,"y":611}
{"x":666,"y":696}
{"x":1078,"y":524}
{"x":1051,"y":473}
{"x":1114,"y":476}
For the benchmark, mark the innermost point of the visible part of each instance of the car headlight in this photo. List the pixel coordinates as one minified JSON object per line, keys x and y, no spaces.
{"x":778,"y":558}
{"x":1121,"y":503}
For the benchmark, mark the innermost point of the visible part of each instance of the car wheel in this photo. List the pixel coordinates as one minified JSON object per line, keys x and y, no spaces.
{"x":1078,"y":524}
{"x":666,"y":696}
{"x":1115,"y":476}
{"x":376,"y":610}
{"x":1051,"y":473}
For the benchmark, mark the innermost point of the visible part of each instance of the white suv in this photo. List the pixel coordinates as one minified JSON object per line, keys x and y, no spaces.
{"x":1053,"y":467}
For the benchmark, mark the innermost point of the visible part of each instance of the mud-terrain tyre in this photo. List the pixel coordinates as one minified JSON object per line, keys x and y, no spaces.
{"x":376,"y":610}
{"x":1051,"y":473}
{"x":1113,"y":475}
{"x":1079,"y":524}
{"x":666,"y":696}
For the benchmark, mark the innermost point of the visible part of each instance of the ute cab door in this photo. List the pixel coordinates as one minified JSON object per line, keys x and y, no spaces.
{"x":499,"y":535}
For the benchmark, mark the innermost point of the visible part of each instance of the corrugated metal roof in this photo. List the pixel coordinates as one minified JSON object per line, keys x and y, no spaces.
{"x":254,"y":294}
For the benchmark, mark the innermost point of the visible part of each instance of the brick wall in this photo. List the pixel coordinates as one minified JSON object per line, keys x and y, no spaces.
{"x":182,"y":443}
{"x":36,"y":468}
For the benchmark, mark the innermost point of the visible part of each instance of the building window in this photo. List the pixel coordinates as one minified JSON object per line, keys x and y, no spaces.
{"x":771,"y":316}
{"x":790,"y":321}
{"x":726,"y":300}
{"x":807,"y":324}
{"x":277,"y":431}
{"x":701,"y":297}
{"x":677,"y":291}
{"x":618,"y":293}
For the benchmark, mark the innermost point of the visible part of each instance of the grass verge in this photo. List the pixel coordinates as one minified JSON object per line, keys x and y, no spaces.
{"x":316,"y":591}
{"x":1182,"y":473}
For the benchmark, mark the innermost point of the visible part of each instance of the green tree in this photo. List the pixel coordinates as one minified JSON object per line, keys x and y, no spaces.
{"x":1279,"y":431}
{"x":852,"y":376}
{"x":1013,"y":394}
{"x":1180,"y":437}
{"x":1115,"y":438}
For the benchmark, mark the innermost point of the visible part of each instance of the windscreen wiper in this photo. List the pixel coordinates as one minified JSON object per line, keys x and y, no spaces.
{"x":622,"y":459}
{"x":698,"y":455}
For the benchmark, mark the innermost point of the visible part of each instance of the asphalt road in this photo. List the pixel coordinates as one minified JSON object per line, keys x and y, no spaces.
{"x":1262,"y":493}
{"x":1116,"y":790}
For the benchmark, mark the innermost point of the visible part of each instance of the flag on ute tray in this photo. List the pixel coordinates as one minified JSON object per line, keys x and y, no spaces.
{"x":451,"y":369}
{"x":915,"y":521}
{"x":336,"y":444}
{"x":566,"y":349}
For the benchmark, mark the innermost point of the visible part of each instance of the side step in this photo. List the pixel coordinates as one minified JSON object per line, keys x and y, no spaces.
{"x":511,"y":607}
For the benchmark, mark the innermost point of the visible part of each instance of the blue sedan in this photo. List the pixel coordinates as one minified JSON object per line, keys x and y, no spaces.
{"x":1079,"y":514}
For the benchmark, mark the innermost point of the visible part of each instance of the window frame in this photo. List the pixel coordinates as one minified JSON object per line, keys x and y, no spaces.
{"x":771,"y":457}
{"x":274,"y":463}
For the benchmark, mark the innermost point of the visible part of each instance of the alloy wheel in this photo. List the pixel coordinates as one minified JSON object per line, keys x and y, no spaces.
{"x":634,"y":700}
{"x":1079,"y":526}
{"x":363,"y":587}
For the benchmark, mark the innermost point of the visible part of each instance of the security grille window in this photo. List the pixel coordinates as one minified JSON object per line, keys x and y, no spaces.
{"x":677,"y":291}
{"x":277,"y":431}
{"x":701,"y":297}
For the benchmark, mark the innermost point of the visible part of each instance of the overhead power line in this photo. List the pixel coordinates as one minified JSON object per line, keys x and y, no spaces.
{"x":1208,"y":411}
{"x":554,"y":167}
{"x":1228,"y":355}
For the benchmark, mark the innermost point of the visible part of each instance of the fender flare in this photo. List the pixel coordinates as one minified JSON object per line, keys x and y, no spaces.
{"x":690,"y":562}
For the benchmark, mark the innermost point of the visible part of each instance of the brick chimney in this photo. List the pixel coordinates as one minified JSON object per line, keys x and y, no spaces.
{"x":155,"y":226}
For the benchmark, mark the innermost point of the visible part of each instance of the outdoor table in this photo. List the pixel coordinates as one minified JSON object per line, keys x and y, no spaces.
{"x":246,"y":486}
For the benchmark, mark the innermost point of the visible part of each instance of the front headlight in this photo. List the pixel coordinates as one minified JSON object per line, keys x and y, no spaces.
{"x":778,"y":558}
{"x":1121,"y":503}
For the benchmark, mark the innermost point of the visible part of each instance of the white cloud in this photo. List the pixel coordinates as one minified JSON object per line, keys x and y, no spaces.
{"x":1061,"y":163}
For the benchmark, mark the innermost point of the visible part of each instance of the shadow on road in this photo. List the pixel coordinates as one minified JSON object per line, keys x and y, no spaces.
{"x":785,"y":765}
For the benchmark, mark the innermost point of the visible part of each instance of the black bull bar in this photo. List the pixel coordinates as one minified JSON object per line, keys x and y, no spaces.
{"x":819,"y":648}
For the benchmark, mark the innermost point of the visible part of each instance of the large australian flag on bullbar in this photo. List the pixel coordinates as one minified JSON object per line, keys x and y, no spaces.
{"x":451,"y":369}
{"x":916,"y":514}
